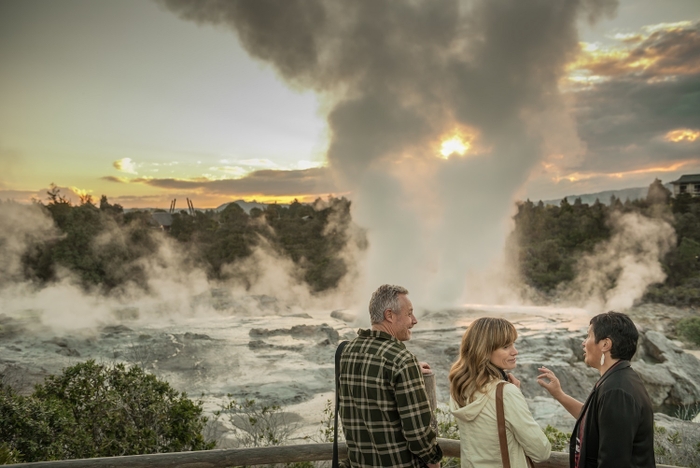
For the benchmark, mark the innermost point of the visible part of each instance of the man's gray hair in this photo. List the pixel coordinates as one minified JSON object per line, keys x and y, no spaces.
{"x":385,"y":297}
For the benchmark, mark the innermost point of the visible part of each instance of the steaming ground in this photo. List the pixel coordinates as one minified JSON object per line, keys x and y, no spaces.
{"x":257,"y":347}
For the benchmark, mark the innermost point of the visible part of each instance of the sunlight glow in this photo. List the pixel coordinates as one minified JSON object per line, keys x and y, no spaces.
{"x":683,"y":134}
{"x":454,"y":145}
{"x":578,"y":176}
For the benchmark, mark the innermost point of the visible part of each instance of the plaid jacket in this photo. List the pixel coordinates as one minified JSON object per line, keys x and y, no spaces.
{"x":383,"y":405}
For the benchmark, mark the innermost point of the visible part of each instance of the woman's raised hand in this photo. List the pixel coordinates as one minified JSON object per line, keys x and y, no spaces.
{"x":549,"y":381}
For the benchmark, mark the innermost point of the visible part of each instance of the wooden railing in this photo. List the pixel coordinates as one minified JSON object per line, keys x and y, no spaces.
{"x":246,"y":457}
{"x":226,"y":458}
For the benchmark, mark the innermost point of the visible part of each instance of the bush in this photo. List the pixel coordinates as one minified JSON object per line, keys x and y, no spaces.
{"x":678,"y":447}
{"x":95,"y":410}
{"x":689,"y":328}
{"x":447,"y":429}
{"x":326,"y":430}
{"x":34,"y":430}
{"x":8,"y":455}
{"x":558,"y":439}
{"x":257,"y":424}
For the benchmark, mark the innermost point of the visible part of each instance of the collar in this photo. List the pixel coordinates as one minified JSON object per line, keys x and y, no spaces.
{"x":378,"y":334}
{"x":619,"y":365}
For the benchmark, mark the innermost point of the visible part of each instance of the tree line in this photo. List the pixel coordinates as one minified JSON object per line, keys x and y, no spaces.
{"x":102,"y":244}
{"x":552,"y":239}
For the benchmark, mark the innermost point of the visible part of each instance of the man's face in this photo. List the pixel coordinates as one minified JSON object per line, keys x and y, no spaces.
{"x":403,"y":319}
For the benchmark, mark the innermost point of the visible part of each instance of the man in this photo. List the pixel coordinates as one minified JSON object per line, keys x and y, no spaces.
{"x":383,"y":404}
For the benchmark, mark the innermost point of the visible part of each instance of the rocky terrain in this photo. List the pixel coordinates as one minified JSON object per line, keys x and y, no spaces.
{"x":282,"y":355}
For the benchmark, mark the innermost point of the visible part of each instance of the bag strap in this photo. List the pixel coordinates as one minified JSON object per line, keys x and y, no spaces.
{"x":501,"y":420}
{"x":338,"y":352}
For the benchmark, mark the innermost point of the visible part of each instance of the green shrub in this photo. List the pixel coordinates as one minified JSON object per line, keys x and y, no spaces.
{"x":93,"y":410}
{"x":326,"y":430}
{"x":257,"y":424}
{"x":677,"y":447}
{"x":558,"y":439}
{"x":447,"y":429}
{"x":9,"y":455}
{"x":689,"y":328}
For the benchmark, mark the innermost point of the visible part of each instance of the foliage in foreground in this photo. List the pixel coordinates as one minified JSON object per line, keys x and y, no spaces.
{"x":8,"y":455}
{"x":94,"y":410}
{"x":257,"y":424}
{"x":689,"y":328}
{"x":679,"y":448}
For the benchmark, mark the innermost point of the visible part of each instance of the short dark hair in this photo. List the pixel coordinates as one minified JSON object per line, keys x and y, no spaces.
{"x":620,"y":329}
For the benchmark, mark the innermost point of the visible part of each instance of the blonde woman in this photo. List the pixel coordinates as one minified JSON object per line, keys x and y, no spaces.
{"x":486,"y":353}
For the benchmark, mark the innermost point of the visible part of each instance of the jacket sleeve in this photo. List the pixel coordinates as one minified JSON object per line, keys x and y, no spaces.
{"x":618,"y":419}
{"x":523,"y":426}
{"x":414,"y":411}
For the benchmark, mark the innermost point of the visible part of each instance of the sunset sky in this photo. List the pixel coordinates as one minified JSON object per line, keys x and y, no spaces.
{"x":148,"y":101}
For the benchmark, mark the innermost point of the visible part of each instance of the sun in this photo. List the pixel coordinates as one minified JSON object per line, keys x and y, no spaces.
{"x":454,"y":145}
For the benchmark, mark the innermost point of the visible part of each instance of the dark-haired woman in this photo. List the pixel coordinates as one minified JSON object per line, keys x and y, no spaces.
{"x":615,"y":426}
{"x":486,"y":352}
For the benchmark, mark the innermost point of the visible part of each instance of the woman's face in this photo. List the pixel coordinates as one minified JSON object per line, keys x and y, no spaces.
{"x":504,"y":358}
{"x":592,"y":351}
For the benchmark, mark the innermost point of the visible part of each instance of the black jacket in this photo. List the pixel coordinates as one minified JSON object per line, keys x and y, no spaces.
{"x":619,"y":426}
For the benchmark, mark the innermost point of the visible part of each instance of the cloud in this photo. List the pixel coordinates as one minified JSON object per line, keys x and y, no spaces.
{"x":652,"y":171}
{"x":624,"y":121}
{"x":682,"y":135}
{"x":268,"y":182}
{"x":22,"y":196}
{"x":119,"y":180}
{"x":125,"y":165}
{"x":72,"y":194}
{"x":663,"y":51}
{"x":257,"y":163}
{"x":637,"y":113}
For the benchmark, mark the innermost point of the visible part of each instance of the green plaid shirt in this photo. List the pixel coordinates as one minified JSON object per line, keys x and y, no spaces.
{"x":383,"y":404}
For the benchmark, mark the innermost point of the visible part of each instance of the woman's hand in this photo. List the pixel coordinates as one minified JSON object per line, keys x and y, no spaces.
{"x":549,"y":381}
{"x":425,"y":368}
{"x":513,"y":380}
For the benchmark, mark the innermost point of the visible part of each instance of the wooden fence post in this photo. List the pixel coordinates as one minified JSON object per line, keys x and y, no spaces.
{"x":431,"y":390}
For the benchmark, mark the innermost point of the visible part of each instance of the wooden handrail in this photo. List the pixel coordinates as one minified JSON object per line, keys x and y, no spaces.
{"x":248,"y":456}
{"x":226,"y":458}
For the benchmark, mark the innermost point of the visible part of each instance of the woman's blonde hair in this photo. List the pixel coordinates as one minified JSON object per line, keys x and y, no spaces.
{"x":473,"y":370}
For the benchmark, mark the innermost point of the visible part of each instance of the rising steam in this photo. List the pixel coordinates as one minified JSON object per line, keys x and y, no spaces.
{"x":619,"y":270}
{"x":401,"y":77}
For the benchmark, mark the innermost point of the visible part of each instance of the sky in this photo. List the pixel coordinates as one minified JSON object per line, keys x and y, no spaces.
{"x":148,"y":101}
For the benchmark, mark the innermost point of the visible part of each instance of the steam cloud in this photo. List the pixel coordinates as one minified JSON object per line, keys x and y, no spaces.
{"x":21,"y":227}
{"x":399,"y":77}
{"x":620,"y":269}
{"x":164,"y":283}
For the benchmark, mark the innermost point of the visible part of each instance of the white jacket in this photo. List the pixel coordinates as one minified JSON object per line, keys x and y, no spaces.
{"x":478,"y":430}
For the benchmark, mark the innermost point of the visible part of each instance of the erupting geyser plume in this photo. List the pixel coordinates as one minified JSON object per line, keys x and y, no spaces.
{"x":398,"y":76}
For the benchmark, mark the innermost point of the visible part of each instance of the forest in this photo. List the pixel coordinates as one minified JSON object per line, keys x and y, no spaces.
{"x":552,"y":239}
{"x":102,"y":245}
